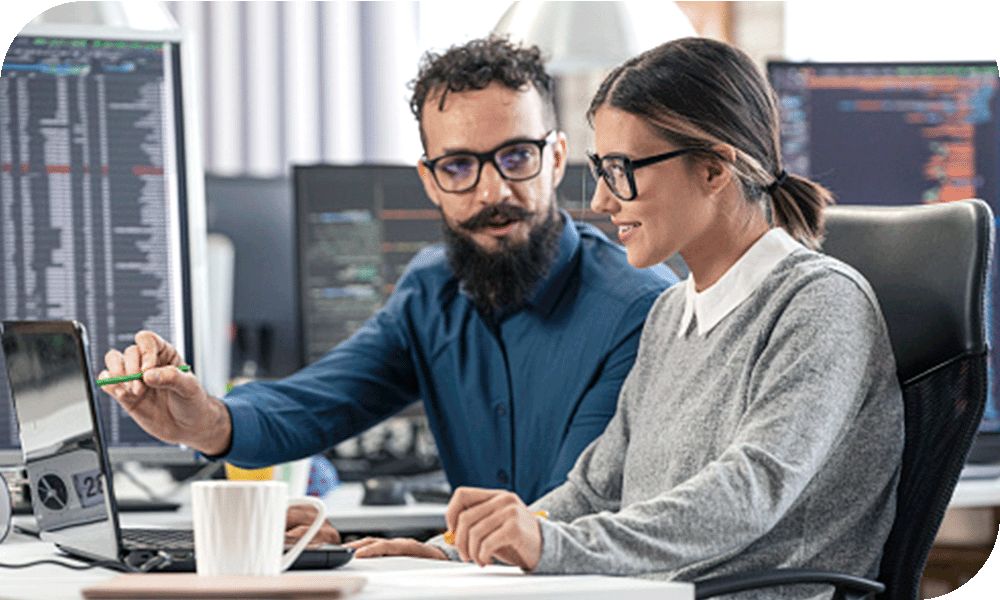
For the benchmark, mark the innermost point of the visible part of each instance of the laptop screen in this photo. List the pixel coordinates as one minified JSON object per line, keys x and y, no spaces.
{"x":66,"y":462}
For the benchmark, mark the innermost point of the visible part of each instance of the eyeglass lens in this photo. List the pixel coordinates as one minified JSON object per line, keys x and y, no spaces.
{"x":515,"y":162}
{"x":615,"y":175}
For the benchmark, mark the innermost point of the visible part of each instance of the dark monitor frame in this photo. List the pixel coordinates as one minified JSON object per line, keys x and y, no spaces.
{"x":299,"y":172}
{"x":255,"y":213}
{"x":889,"y":63}
{"x":190,"y":211}
{"x":986,"y":446}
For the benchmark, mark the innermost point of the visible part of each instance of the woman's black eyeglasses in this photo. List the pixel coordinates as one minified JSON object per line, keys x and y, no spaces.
{"x":618,"y":170}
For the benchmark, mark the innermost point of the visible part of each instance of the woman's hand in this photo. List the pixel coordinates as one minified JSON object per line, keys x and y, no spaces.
{"x":371,"y":547}
{"x":494,"y":524}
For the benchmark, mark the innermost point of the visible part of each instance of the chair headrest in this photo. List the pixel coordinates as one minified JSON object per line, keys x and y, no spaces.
{"x":928,"y":267}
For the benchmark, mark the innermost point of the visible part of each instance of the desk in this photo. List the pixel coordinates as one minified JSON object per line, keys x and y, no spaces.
{"x":344,"y":511}
{"x":976,"y":493}
{"x":967,"y":536}
{"x":395,"y":578}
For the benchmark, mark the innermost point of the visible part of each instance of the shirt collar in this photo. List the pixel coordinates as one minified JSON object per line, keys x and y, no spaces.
{"x":549,"y":289}
{"x":709,"y":307}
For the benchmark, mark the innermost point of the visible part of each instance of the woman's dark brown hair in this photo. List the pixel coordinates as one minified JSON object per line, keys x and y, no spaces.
{"x":697,"y":92}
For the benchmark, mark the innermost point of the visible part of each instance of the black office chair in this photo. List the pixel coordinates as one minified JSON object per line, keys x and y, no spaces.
{"x":928,"y":267}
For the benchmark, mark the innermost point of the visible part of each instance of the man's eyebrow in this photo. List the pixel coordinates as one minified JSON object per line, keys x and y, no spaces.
{"x":455,"y":150}
{"x":511,"y":140}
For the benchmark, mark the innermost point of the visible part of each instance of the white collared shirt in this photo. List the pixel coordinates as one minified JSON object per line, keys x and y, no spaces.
{"x":709,"y":307}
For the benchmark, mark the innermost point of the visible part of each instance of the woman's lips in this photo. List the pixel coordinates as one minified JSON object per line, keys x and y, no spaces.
{"x":626,"y":231}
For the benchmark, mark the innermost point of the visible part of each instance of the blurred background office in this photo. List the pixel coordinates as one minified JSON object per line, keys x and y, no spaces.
{"x":299,"y":132}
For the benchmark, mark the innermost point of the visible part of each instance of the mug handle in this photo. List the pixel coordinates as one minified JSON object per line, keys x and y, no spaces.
{"x":289,"y":557}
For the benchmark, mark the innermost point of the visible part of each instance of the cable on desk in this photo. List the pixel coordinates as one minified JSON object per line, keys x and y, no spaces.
{"x":107,"y":564}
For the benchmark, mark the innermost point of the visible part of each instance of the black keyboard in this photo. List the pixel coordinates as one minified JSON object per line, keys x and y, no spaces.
{"x":168,"y":539}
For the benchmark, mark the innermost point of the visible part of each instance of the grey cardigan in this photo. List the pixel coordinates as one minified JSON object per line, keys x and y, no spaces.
{"x":773,"y":441}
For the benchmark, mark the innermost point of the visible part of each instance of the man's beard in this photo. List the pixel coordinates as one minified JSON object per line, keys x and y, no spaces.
{"x":502,"y":279}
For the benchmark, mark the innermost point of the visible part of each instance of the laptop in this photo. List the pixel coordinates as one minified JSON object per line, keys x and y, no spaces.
{"x":62,"y":443}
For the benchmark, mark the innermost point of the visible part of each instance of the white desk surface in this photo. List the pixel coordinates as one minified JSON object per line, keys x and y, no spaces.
{"x":344,"y":511}
{"x":388,"y":578}
{"x":976,"y":493}
{"x":393,"y":578}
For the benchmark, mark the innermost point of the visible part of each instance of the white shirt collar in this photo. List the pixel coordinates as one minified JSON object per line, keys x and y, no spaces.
{"x":709,"y":307}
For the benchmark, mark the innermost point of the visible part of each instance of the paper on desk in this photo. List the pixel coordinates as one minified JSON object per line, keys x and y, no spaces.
{"x":413,"y":579}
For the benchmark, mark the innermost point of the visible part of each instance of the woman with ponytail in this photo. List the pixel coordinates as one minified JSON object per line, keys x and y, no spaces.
{"x":762,"y":423}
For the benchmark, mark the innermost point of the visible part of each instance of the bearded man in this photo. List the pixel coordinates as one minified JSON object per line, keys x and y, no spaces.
{"x":516,"y":333}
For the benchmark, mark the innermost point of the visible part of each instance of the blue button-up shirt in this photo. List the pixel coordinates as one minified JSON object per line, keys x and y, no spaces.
{"x":511,"y":403}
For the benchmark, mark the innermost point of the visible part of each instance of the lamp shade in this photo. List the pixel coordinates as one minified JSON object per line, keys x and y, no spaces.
{"x":580,"y":37}
{"x":147,"y":16}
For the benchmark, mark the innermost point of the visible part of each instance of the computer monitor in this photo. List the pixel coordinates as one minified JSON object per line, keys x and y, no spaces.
{"x":256,"y":214}
{"x":357,"y":227}
{"x":896,"y":134}
{"x":101,"y":211}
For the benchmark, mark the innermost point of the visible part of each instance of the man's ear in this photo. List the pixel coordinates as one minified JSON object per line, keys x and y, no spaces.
{"x":430,"y":186}
{"x":716,"y":169}
{"x":560,"y":155}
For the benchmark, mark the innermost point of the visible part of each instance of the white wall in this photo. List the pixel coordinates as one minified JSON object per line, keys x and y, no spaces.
{"x":888,"y":31}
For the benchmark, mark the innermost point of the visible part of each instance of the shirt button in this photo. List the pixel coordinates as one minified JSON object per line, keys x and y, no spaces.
{"x":502,"y":476}
{"x":502,"y":411}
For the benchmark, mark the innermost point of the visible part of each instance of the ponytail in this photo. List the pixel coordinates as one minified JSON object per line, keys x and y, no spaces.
{"x":797,"y":205}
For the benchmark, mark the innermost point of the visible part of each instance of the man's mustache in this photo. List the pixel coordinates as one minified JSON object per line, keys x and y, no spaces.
{"x":495,"y":213}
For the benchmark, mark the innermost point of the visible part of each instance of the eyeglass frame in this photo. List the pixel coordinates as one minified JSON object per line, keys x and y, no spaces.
{"x":598,"y":172}
{"x":490,"y":156}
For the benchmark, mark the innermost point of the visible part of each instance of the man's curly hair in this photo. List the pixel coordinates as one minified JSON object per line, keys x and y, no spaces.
{"x":475,"y":65}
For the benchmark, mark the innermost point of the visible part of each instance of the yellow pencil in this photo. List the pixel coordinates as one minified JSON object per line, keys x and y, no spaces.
{"x":449,"y":536}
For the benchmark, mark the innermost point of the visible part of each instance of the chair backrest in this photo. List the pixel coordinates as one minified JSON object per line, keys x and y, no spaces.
{"x":928,"y":266}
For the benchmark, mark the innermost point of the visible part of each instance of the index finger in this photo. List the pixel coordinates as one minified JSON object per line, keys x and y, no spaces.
{"x":154,"y":351}
{"x":464,"y":498}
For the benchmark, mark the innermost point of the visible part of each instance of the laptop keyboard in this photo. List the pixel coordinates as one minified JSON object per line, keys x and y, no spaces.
{"x":182,"y":539}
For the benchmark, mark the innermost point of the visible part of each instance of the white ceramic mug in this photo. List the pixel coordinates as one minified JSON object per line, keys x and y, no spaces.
{"x":295,"y":474}
{"x":239,"y":527}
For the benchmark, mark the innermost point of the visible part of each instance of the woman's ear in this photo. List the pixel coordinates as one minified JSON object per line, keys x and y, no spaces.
{"x":716,"y":172}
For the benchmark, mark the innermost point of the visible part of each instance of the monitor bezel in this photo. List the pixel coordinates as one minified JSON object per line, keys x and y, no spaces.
{"x":986,"y":444}
{"x":904,"y":63}
{"x":299,"y":215}
{"x":191,"y":203}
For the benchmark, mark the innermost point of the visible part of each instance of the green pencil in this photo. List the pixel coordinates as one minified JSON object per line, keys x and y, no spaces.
{"x":132,"y":377}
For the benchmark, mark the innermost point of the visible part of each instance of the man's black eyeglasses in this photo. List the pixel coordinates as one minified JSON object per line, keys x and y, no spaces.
{"x":514,"y":160}
{"x":618,"y":170}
